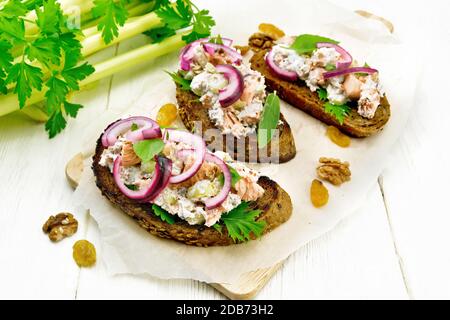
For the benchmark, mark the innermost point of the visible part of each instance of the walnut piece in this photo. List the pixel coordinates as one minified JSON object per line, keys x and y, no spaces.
{"x":334,"y":171}
{"x":260,"y":41}
{"x":60,"y":226}
{"x":243,"y":49}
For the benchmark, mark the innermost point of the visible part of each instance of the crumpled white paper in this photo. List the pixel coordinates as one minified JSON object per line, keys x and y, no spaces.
{"x":126,"y":248}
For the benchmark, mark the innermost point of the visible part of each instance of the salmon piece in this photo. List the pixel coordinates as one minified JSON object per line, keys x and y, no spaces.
{"x":352,"y":87}
{"x":248,"y":190}
{"x":208,"y":171}
{"x":129,"y":157}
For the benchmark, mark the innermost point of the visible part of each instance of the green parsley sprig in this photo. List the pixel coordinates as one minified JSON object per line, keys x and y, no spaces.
{"x":49,"y":59}
{"x":241,"y":223}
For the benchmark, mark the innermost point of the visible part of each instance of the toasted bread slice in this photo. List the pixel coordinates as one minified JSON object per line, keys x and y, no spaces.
{"x":275,"y":204}
{"x":298,"y":95}
{"x":191,"y":111}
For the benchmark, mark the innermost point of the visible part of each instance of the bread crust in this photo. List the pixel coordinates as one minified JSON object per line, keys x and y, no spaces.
{"x":300,"y":96}
{"x":275,"y":204}
{"x":192,"y":111}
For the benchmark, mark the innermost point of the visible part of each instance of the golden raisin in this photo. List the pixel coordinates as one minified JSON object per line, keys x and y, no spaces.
{"x":270,"y":30}
{"x":84,"y":253}
{"x":166,"y":114}
{"x":338,"y":137}
{"x":319,"y":194}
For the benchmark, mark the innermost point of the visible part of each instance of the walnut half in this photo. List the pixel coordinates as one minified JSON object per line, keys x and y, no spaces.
{"x":60,"y":226}
{"x":333,"y":170}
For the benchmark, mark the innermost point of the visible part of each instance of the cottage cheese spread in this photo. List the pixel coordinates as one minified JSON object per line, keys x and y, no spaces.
{"x":311,"y":69}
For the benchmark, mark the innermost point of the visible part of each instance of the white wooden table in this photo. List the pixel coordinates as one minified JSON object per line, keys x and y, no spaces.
{"x":396,"y":246}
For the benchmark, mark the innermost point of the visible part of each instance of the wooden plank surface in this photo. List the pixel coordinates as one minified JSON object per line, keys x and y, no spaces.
{"x":396,"y":247}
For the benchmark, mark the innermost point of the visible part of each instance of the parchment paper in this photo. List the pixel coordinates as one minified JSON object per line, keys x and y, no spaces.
{"x":126,"y":248}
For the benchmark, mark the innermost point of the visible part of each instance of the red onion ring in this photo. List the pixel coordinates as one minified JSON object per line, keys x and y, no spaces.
{"x":233,"y":91}
{"x":194,"y":141}
{"x":346,"y":58}
{"x":141,"y":194}
{"x":166,"y":167}
{"x":284,"y":74}
{"x":212,"y":48}
{"x":217,"y":200}
{"x":149,"y":130}
{"x":337,"y":73}
{"x":187,"y":54}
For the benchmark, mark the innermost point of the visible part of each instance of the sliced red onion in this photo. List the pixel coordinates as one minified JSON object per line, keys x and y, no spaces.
{"x":346,"y":58}
{"x":213,"y":48}
{"x":187,"y":53}
{"x":196,"y":142}
{"x":282,"y":73}
{"x":216,"y":201}
{"x":149,"y":129}
{"x":342,"y":72}
{"x":233,"y":91}
{"x":141,"y":194}
{"x":166,"y":168}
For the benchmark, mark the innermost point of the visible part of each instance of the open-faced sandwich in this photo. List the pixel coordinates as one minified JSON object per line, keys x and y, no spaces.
{"x":318,"y":76}
{"x":175,"y":188}
{"x":219,"y":92}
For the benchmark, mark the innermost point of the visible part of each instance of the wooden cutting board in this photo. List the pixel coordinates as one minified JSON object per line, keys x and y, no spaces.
{"x":249,"y":284}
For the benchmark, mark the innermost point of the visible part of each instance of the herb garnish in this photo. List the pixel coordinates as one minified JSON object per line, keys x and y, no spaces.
{"x":235,"y":177}
{"x":340,"y":111}
{"x":269,"y":120}
{"x":163,"y":214}
{"x":184,"y":83}
{"x":241,"y":222}
{"x":181,"y":15}
{"x":146,"y":150}
{"x":307,"y":43}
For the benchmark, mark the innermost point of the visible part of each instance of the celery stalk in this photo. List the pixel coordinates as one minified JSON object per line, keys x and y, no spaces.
{"x":132,"y":28}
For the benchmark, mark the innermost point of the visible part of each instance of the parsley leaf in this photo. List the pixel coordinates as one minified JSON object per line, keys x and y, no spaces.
{"x":163,"y":214}
{"x":6,"y":58}
{"x":26,"y":77}
{"x":218,"y":227}
{"x":112,"y":14}
{"x":177,"y":17}
{"x":184,"y":83}
{"x":14,"y":8}
{"x":76,"y":74}
{"x":322,"y":93}
{"x":72,"y":108}
{"x":134,"y":127}
{"x":72,"y":49}
{"x":241,"y":222}
{"x":235,"y":177}
{"x":269,"y":120}
{"x":202,"y":25}
{"x":159,"y":34}
{"x":45,"y":50}
{"x":49,"y":17}
{"x":307,"y":43}
{"x":340,"y":111}
{"x":216,"y":40}
{"x":146,"y":150}
{"x":132,"y":187}
{"x":56,"y":94}
{"x":55,"y":124}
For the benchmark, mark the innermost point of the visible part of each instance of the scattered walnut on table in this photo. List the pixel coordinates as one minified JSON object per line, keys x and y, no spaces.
{"x":333,"y":170}
{"x":60,"y":226}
